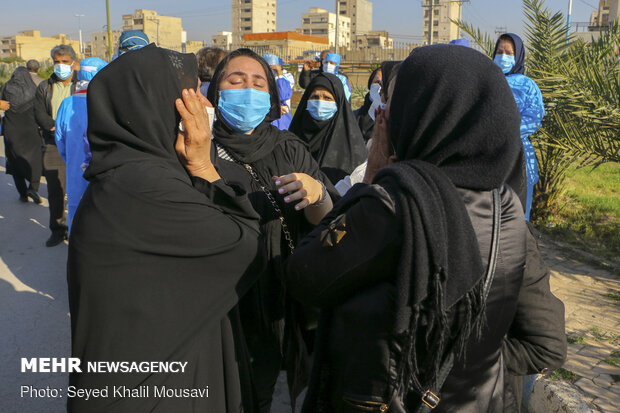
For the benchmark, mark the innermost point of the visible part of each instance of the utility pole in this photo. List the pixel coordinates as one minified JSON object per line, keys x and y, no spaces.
{"x":79,"y":16}
{"x":337,"y":18}
{"x":107,"y":10}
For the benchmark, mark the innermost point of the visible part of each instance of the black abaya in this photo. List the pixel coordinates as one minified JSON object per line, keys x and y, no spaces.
{"x":337,"y":144}
{"x":157,"y":260}
{"x":22,"y":141}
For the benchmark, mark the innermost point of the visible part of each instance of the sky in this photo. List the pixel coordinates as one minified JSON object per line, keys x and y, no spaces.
{"x":204,"y":18}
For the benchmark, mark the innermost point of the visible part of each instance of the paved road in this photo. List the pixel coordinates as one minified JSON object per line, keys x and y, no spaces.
{"x":34,"y":311}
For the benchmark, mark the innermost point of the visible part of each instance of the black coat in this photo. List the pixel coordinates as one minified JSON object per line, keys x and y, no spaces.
{"x":43,"y":107}
{"x":356,"y":290}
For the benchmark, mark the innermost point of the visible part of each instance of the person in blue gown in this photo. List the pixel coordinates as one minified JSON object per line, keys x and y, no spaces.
{"x":509,"y":55}
{"x":70,"y":135}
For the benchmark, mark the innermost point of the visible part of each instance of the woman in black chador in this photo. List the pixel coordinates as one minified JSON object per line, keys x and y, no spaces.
{"x":159,"y":255}
{"x":421,"y":272}
{"x":22,"y":141}
{"x":325,"y":122}
{"x":288,"y":191}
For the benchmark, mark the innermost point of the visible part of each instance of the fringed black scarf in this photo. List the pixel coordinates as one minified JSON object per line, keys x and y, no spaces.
{"x":440,"y":269}
{"x":453,"y":123}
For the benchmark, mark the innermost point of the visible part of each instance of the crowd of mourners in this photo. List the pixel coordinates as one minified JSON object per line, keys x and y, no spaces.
{"x":382,"y":257}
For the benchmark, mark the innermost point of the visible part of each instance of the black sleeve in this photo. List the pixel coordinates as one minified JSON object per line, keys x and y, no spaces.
{"x":345,"y":254}
{"x":230,"y":199}
{"x":44,"y":119}
{"x":300,"y":156}
{"x":537,"y":339}
{"x":305,"y":78}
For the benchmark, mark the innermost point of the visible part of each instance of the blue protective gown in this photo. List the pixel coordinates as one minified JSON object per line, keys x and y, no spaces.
{"x":530,"y":103}
{"x":71,"y":124}
{"x":286,"y":93}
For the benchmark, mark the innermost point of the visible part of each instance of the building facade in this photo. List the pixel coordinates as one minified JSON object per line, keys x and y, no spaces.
{"x":223,"y":40}
{"x":437,"y":24}
{"x":359,"y":12}
{"x":252,"y":16}
{"x":373,"y":39}
{"x":98,"y":45}
{"x":608,"y":12}
{"x":29,"y":44}
{"x":320,"y":22}
{"x":286,"y":45}
{"x":164,"y":31}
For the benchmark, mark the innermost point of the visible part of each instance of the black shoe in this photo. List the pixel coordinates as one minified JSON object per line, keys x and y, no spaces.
{"x":23,"y":198}
{"x":55,"y":239}
{"x":35,"y":196}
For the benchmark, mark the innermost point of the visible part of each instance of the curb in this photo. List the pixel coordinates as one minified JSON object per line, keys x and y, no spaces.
{"x":554,"y":396}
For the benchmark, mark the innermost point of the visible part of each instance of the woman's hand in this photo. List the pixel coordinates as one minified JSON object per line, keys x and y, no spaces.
{"x":299,"y":187}
{"x":380,"y":150}
{"x":5,"y":105}
{"x":193,"y":145}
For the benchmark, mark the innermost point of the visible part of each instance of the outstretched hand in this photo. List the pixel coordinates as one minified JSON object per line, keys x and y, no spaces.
{"x":300,"y":188}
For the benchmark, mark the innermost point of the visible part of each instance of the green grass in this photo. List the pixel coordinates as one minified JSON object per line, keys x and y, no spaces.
{"x":613,"y":359}
{"x":576,"y":340}
{"x":589,"y":215}
{"x":614,"y":296}
{"x":563,"y":374}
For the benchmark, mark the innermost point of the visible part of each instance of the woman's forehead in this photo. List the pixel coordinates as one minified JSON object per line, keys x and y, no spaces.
{"x":246,"y":65}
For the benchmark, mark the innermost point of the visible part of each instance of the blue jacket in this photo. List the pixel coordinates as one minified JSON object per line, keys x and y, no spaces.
{"x":71,"y":124}
{"x":286,"y":92}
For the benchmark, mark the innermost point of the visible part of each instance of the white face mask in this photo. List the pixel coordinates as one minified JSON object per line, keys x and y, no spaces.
{"x":330,"y":68}
{"x":375,"y":92}
{"x":210,"y":113}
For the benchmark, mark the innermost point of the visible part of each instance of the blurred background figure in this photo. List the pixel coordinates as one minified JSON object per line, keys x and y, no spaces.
{"x":48,"y":98}
{"x":331,"y":64}
{"x":509,"y":55}
{"x":71,"y":125}
{"x":325,"y":122}
{"x":33,"y":67}
{"x":311,"y":69}
{"x":460,"y":42}
{"x":22,"y":141}
{"x":131,"y":40}
{"x":208,"y":59}
{"x":365,"y":115}
{"x":285,"y":91}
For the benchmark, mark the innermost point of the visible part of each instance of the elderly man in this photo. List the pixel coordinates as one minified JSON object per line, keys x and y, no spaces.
{"x":49,"y":96}
{"x":33,"y":67}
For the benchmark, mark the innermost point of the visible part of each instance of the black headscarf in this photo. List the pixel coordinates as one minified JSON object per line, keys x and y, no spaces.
{"x":245,"y":148}
{"x":388,"y":72}
{"x":364,"y":120}
{"x":20,"y":89}
{"x":119,"y":129}
{"x":337,"y":144}
{"x":453,"y":123}
{"x":156,"y":260}
{"x":519,"y":67}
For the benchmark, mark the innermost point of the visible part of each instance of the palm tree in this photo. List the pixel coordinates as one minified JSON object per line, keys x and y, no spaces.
{"x":580,"y":84}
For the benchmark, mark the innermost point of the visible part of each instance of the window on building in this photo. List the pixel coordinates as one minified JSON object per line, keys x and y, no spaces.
{"x":306,"y":31}
{"x":435,"y":34}
{"x":435,"y":12}
{"x":248,"y":28}
{"x":436,"y":23}
{"x":138,"y":21}
{"x":247,"y":1}
{"x":247,"y":19}
{"x":247,"y":10}
{"x":343,"y":12}
{"x":306,"y":21}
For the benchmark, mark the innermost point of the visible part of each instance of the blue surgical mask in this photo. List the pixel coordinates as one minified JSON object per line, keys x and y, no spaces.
{"x":244,"y":109}
{"x":505,"y":62}
{"x":322,"y":109}
{"x":63,"y":71}
{"x":375,"y":92}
